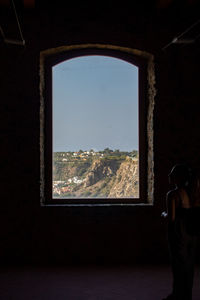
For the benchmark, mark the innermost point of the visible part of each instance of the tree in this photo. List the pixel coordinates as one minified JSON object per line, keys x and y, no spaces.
{"x":134,"y":153}
{"x":107,"y":151}
{"x":117,"y":151}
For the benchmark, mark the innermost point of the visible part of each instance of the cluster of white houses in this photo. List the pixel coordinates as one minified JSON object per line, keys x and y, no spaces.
{"x":62,"y":187}
{"x":83,"y":155}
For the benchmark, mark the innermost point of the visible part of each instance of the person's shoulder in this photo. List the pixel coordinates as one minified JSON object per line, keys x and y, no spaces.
{"x":172,"y":194}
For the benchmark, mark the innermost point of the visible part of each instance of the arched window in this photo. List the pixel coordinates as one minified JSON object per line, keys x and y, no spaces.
{"x":96,"y":125}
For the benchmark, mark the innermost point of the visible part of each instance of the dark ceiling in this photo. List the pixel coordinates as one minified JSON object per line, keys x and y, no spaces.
{"x":165,"y":19}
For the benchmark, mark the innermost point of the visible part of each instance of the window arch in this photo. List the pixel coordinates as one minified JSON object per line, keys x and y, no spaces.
{"x":144,"y":64}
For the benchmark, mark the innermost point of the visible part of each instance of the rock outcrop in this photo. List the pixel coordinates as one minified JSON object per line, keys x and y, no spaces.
{"x":126,"y":183}
{"x":100,"y":169}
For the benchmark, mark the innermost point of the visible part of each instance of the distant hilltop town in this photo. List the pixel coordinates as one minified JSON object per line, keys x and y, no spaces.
{"x":104,"y":174}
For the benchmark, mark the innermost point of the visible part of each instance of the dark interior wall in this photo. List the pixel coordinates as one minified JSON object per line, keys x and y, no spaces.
{"x":116,"y":234}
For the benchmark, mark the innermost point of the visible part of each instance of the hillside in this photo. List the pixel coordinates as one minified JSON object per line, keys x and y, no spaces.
{"x":106,"y":175}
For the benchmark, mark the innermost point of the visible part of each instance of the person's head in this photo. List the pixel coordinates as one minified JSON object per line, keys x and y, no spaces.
{"x":180,"y":175}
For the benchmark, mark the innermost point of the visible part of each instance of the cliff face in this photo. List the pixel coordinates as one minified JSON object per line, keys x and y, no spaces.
{"x":122,"y":180}
{"x":126,"y":182}
{"x":66,"y":170}
{"x":99,"y":170}
{"x":106,"y":178}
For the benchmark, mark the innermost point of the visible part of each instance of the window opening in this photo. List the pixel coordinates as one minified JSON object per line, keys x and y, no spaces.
{"x":95,"y":128}
{"x":61,"y":185}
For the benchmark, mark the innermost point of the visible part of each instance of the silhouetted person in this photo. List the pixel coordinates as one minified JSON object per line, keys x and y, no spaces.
{"x":181,"y":242}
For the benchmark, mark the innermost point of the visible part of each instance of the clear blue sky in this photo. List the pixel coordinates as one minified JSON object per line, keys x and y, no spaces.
{"x":95,"y":104}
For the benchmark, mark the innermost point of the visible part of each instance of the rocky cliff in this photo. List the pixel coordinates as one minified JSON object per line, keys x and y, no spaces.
{"x":100,"y":169}
{"x":109,"y":177}
{"x":114,"y":180}
{"x":126,"y":182}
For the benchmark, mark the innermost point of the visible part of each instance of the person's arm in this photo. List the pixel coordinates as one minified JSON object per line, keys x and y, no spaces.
{"x":171,"y":206}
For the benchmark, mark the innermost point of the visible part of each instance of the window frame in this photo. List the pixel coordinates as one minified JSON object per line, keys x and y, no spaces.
{"x":146,"y":92}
